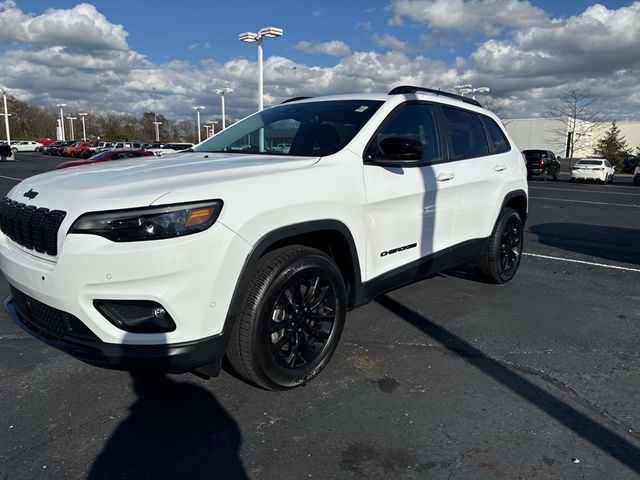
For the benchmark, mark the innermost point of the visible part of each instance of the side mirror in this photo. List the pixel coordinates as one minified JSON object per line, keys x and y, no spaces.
{"x":401,"y":148}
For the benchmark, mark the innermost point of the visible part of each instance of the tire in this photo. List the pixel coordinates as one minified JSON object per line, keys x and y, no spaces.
{"x":544,"y":175}
{"x":14,"y":150}
{"x":501,"y":258}
{"x":572,"y":180}
{"x":295,"y":298}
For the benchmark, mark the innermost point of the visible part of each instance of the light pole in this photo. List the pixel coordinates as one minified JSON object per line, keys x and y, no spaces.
{"x":157,"y":126}
{"x":250,"y":37}
{"x":71,"y":119}
{"x":222,"y":92}
{"x":197,"y":109}
{"x":207,"y":127}
{"x":84,"y":130}
{"x":463,"y":89}
{"x":6,"y":115}
{"x":61,"y":106}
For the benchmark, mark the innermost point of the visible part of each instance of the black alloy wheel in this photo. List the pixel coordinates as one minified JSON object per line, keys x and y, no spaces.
{"x":301,"y":320}
{"x":291,"y":319}
{"x":511,"y":246}
{"x":501,"y":258}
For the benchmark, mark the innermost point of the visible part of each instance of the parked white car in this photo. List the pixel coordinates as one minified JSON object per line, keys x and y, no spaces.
{"x":229,"y":249}
{"x":23,"y":145}
{"x":597,"y":169}
{"x":168,"y":148}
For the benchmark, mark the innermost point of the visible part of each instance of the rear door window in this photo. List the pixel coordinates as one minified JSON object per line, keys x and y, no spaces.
{"x":465,"y":133}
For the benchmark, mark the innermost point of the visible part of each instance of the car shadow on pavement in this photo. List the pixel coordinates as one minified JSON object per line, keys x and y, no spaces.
{"x":174,"y":430}
{"x":598,"y":435}
{"x":610,"y":243}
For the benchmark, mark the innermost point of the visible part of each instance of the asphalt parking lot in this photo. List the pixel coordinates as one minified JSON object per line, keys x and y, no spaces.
{"x":446,"y":378}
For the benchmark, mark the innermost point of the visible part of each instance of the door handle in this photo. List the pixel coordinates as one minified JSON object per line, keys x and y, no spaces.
{"x":443,"y":177}
{"x":500,"y":168}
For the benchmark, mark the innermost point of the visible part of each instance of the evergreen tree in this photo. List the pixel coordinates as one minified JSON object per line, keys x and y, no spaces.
{"x":613,"y":147}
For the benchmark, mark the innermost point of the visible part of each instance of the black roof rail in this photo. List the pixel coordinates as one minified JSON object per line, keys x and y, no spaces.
{"x":294,"y":99}
{"x":409,"y":89}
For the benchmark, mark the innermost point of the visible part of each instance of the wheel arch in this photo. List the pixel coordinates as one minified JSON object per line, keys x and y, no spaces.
{"x":516,"y":199}
{"x":330,"y":236}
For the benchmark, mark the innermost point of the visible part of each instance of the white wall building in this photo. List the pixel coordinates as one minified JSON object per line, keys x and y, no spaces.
{"x":551,"y":134}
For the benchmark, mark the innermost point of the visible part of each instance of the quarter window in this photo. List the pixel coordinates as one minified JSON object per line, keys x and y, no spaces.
{"x":497,"y":140}
{"x":465,"y":133}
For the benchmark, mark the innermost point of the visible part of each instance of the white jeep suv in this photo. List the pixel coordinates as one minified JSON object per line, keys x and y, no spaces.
{"x":255,"y":252}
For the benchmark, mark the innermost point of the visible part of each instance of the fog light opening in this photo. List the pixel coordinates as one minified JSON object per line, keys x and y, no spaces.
{"x":136,"y":316}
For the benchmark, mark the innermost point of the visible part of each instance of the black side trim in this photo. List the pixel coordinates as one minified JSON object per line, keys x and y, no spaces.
{"x":422,"y":268}
{"x":410,"y":89}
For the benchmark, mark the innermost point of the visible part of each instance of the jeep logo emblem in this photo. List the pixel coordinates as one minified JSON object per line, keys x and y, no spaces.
{"x":31,"y":194}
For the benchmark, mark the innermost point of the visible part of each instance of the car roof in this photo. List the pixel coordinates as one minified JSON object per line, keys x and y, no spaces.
{"x":431,"y":95}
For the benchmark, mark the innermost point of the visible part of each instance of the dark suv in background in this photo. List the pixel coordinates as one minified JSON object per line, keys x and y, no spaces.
{"x":541,"y":163}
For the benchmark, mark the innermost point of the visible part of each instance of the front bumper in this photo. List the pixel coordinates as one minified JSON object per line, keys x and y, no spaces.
{"x":174,"y":358}
{"x":191,"y":277}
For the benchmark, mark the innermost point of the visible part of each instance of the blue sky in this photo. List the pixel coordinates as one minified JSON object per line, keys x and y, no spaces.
{"x":131,"y":56}
{"x":165,"y":30}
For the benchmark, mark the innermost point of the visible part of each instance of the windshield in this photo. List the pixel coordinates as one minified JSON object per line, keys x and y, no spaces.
{"x":101,"y":155}
{"x":589,"y":162}
{"x":306,"y":129}
{"x":535,"y":154}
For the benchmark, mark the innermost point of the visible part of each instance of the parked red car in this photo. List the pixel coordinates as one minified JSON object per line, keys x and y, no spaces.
{"x":107,"y":156}
{"x":44,"y":142}
{"x":74,"y":149}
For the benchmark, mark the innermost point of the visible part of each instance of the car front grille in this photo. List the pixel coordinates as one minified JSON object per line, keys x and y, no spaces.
{"x":33,"y":228}
{"x":47,"y":320}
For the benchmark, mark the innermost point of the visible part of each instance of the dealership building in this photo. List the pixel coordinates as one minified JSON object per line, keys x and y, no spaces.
{"x":552,"y":134}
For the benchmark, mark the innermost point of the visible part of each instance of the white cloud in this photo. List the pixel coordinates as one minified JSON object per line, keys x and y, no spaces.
{"x":526,"y":68}
{"x":80,"y":28}
{"x":389,"y":41}
{"x":335,"y":48}
{"x":468,"y":16}
{"x":598,"y":42}
{"x":205,"y":46}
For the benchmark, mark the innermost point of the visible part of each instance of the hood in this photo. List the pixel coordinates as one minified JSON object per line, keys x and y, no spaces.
{"x":140,"y":181}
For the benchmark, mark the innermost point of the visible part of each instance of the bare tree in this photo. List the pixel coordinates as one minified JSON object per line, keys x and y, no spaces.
{"x":576,"y":113}
{"x":494,"y":104}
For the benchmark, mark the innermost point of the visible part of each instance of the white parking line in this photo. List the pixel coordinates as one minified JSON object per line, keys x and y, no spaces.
{"x":12,"y":178}
{"x":570,"y":260}
{"x":608,"y":192}
{"x":633,"y":205}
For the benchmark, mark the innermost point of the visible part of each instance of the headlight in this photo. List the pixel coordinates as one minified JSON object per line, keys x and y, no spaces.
{"x":150,"y":223}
